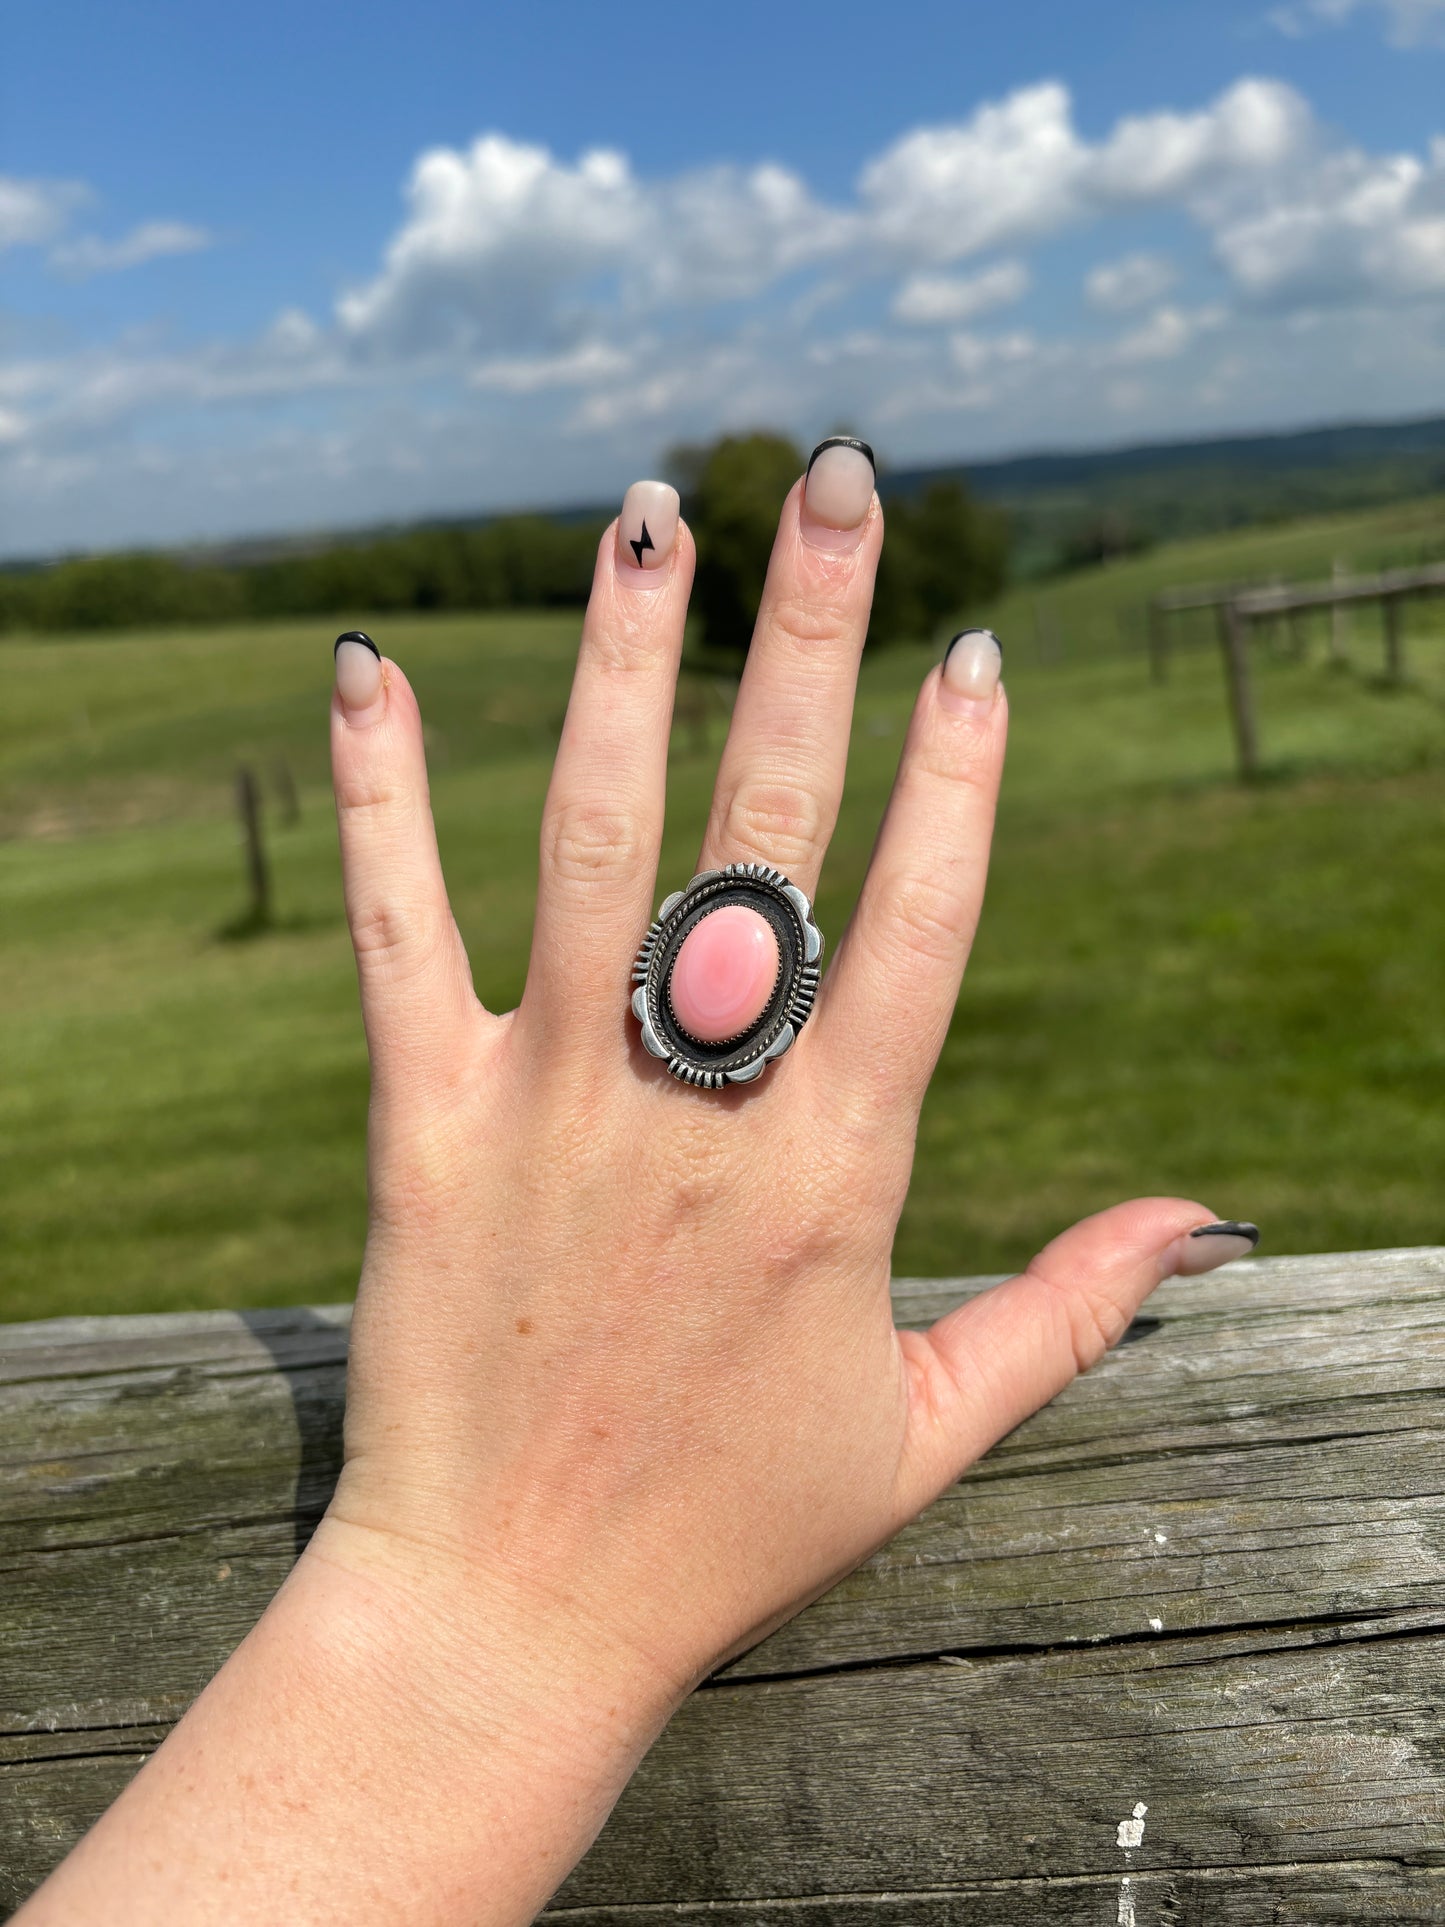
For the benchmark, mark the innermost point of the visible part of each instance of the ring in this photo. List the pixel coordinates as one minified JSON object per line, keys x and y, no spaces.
{"x":727,"y":974}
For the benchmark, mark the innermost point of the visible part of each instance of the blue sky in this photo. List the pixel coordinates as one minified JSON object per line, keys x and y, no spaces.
{"x":294,"y":266}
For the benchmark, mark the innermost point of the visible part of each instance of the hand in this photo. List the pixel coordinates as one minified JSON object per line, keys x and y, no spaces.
{"x":614,"y":1326}
{"x":625,"y":1390}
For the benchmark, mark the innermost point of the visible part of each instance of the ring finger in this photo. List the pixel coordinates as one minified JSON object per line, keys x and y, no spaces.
{"x":781,"y":777}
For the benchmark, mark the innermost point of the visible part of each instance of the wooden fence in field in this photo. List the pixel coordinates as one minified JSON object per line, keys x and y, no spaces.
{"x":1172,"y":1651}
{"x":1237,"y":610}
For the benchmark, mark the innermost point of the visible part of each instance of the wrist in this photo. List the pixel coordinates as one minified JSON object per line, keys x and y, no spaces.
{"x":527,"y":1681}
{"x":388,"y":1742}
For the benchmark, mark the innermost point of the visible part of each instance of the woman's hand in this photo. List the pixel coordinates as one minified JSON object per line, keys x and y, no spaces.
{"x":625,"y":1390}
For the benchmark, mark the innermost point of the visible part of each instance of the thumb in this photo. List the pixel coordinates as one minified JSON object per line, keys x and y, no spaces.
{"x":986,"y":1366}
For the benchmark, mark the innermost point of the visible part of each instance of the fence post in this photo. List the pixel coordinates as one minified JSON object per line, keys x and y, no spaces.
{"x":1339,"y":616}
{"x":1158,"y":643}
{"x":258,"y":876}
{"x":1233,"y":637}
{"x":1394,"y":639}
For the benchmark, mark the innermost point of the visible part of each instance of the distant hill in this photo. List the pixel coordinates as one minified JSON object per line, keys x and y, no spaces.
{"x":1126,"y":498}
{"x":1066,"y":507}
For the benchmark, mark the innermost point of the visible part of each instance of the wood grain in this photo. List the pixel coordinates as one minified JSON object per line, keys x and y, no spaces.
{"x":1209,"y":1578}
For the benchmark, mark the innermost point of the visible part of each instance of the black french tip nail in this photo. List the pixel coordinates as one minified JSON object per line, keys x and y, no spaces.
{"x":357,"y":635}
{"x":842,"y":441}
{"x":1228,"y":1228}
{"x":972,"y":632}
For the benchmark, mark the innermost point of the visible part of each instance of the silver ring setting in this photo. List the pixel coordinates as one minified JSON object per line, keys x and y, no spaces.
{"x":740,"y":1059}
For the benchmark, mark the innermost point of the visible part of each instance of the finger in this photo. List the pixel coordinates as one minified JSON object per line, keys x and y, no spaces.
{"x":415,"y":981}
{"x":781,"y":776}
{"x":983,"y":1368}
{"x":888,"y":1000}
{"x":602,"y":821}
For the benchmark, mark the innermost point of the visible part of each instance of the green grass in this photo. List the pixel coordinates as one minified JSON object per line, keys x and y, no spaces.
{"x":1179,"y":984}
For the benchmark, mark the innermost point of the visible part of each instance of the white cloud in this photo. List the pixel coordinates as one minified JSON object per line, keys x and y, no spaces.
{"x":1408,"y":23}
{"x":508,"y":250}
{"x":585,"y":366}
{"x":1131,"y":282}
{"x":583,"y":317}
{"x":87,"y":254}
{"x":492,"y":235}
{"x":927,"y":299}
{"x":503,"y":243}
{"x":1166,"y":334}
{"x":293,"y":333}
{"x":1253,"y":128}
{"x":973,"y":354}
{"x":1008,"y":174}
{"x":33,"y":212}
{"x":1018,"y":169}
{"x":1355,"y":227}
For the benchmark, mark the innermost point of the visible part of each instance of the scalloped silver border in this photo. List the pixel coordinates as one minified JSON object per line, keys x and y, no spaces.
{"x":647,"y":994}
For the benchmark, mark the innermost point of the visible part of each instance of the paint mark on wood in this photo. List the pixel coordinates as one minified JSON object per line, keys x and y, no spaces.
{"x":1131,"y":1832}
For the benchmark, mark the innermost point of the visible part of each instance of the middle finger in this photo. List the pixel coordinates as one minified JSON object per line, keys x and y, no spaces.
{"x":781,"y":777}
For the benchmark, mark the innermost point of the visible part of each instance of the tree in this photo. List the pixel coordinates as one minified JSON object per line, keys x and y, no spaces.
{"x":945,"y":555}
{"x":738,"y":486}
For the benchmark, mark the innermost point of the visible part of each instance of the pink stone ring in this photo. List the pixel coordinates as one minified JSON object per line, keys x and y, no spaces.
{"x":727,"y":975}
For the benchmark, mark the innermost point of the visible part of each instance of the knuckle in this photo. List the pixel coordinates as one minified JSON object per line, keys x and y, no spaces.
{"x":389,"y":935}
{"x":927,"y":920}
{"x":781,"y":823}
{"x":415,"y":1185}
{"x":810,"y":620}
{"x":593,"y":842}
{"x":1091,"y":1320}
{"x":627,"y":645}
{"x":364,"y":793}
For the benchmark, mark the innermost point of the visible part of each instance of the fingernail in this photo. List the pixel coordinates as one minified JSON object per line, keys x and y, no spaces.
{"x":837,"y":492}
{"x":1211,"y":1245}
{"x":646,"y":533}
{"x":972,"y":664}
{"x":358,"y":678}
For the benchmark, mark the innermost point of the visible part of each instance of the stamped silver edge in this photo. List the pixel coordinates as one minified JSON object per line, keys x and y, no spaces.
{"x":747,"y":1073}
{"x":812,"y":935}
{"x":783,"y":1041}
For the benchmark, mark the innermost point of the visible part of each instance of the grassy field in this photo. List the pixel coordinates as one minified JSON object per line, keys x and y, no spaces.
{"x":1179,"y":984}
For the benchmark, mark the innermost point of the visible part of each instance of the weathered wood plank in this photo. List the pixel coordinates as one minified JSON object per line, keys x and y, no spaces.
{"x":932,"y":1776}
{"x":1294,"y":1896}
{"x":1211,"y":1577}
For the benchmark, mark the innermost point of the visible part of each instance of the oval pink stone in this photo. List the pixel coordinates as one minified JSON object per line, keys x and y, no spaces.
{"x":724,"y":973}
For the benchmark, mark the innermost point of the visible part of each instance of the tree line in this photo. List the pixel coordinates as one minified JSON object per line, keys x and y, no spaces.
{"x":518,"y":561}
{"x":946,"y":555}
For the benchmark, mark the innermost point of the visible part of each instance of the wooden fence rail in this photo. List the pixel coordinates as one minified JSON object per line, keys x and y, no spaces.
{"x":1172,"y":1652}
{"x":1237,"y":608}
